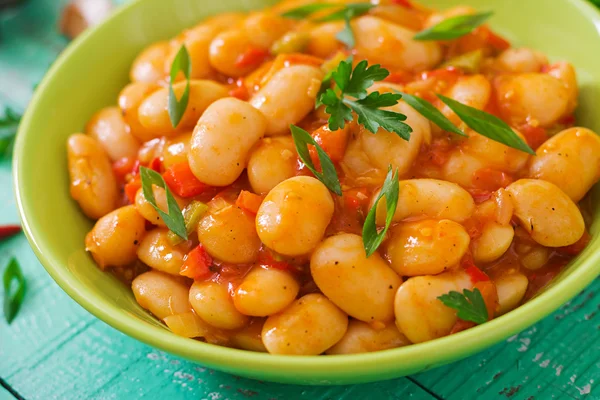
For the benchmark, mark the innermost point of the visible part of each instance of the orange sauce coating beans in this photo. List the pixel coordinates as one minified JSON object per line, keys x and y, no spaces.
{"x":276,"y":261}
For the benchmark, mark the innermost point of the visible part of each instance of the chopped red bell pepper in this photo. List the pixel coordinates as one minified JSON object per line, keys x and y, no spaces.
{"x":494,"y":40}
{"x":181,"y":180}
{"x":196,"y":264}
{"x":156,"y":164}
{"x":355,"y":199}
{"x":332,"y":142}
{"x":249,"y":201}
{"x":9,"y":230}
{"x":401,"y":77}
{"x":252,"y":57}
{"x":132,"y":188}
{"x":240,"y":92}
{"x":476,"y":274}
{"x":136,"y":168}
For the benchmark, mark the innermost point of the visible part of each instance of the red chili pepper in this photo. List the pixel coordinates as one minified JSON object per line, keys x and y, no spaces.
{"x":253,"y":56}
{"x":182,"y":181}
{"x":197,"y":264}
{"x":9,"y":230}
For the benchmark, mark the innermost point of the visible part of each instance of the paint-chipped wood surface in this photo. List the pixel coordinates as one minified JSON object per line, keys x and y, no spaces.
{"x":55,"y":349}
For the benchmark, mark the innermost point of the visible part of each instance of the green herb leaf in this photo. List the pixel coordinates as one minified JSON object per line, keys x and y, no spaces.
{"x":453,"y":28}
{"x":372,"y":117}
{"x":329,"y":175}
{"x":391,"y":189}
{"x":349,"y":11}
{"x":192,"y":213}
{"x":177,"y":107}
{"x":353,"y":85}
{"x":307,"y":10}
{"x":429,"y":111}
{"x":8,"y":130}
{"x":174,"y":219}
{"x":13,"y":298}
{"x":338,"y":112}
{"x":470,"y":305}
{"x":346,"y":35}
{"x":487,"y":125}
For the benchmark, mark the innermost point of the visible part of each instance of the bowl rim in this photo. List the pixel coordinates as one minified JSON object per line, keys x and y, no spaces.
{"x":315,"y":368}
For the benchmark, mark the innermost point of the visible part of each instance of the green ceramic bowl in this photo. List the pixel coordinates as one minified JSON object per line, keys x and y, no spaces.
{"x":89,"y":75}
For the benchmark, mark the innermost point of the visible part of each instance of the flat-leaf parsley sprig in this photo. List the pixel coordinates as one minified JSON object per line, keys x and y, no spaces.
{"x":350,"y":94}
{"x":469,"y":305}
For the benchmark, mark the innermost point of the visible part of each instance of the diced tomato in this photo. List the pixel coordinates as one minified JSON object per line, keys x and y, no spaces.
{"x":300,"y":58}
{"x":438,"y":152}
{"x":476,"y":274}
{"x":403,"y":3}
{"x":355,"y":199}
{"x":123,"y":167}
{"x":333,"y":142}
{"x":9,"y":230}
{"x":254,"y":56}
{"x":249,"y":201}
{"x":401,"y":77}
{"x":131,"y":189}
{"x":196,"y":264}
{"x":461,"y":325}
{"x":449,"y":74}
{"x":534,"y":135}
{"x":266,"y":258}
{"x":578,"y":246}
{"x":240,"y":91}
{"x":490,"y":296}
{"x":494,"y":40}
{"x":569,"y":120}
{"x":489,"y":179}
{"x":182,"y":181}
{"x":156,"y":164}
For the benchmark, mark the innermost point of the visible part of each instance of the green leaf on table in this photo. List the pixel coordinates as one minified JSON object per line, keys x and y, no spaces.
{"x":391,"y":189}
{"x":455,"y":27}
{"x":329,"y":176}
{"x":177,"y":107}
{"x":13,"y":293}
{"x":174,"y":219}
{"x":487,"y":125}
{"x":430,"y":112}
{"x":469,"y":305}
{"x":8,"y":130}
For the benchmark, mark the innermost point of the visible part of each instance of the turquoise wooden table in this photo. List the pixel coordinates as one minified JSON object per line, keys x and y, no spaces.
{"x":55,"y":349}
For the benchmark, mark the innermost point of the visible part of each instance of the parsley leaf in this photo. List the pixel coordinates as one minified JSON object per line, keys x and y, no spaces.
{"x":329,"y":175}
{"x":453,"y":28}
{"x":351,"y":10}
{"x":13,"y":298}
{"x":372,"y":118}
{"x":346,"y":35}
{"x":469,"y":305}
{"x":391,"y":189}
{"x":487,"y":125}
{"x":352,"y":86}
{"x":177,"y":107}
{"x":174,"y":219}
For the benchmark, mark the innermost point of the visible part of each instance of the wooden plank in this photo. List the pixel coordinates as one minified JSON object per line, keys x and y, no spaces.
{"x":556,"y":358}
{"x":100,"y":363}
